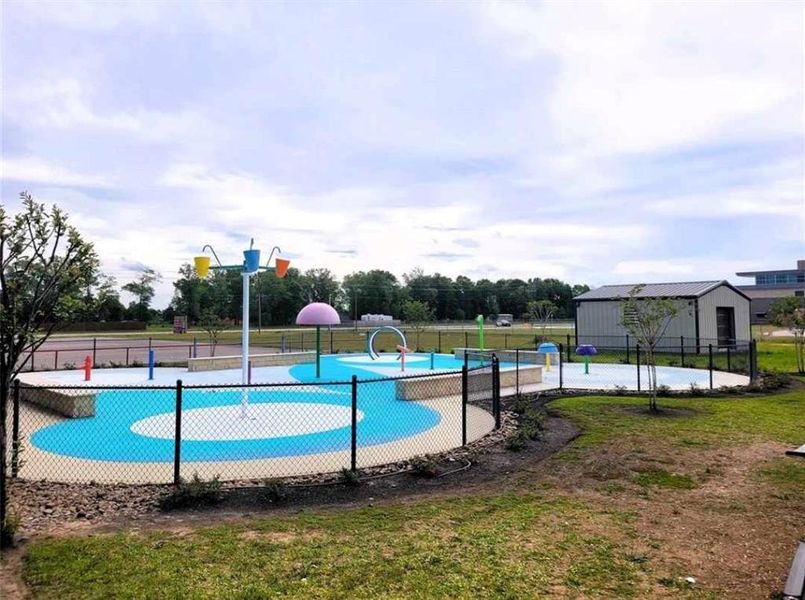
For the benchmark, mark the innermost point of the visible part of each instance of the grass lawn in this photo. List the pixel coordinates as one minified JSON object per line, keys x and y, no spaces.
{"x":777,"y":355}
{"x":630,"y":509}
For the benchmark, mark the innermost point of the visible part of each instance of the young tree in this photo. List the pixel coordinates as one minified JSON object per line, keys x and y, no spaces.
{"x":142,"y":288}
{"x":417,"y":314}
{"x":790,"y":313}
{"x":646,"y":319}
{"x":212,"y":324}
{"x":44,"y":265}
{"x":540,"y":312}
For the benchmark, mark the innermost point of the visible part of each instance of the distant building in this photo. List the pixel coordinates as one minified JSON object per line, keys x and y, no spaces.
{"x":770,"y":286}
{"x":370,"y":318}
{"x":710,"y":312}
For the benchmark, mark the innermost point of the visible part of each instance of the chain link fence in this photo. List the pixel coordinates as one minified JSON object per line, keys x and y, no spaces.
{"x":159,"y":434}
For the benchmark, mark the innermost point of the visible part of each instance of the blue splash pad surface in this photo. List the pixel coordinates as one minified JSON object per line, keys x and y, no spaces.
{"x":108,"y":436}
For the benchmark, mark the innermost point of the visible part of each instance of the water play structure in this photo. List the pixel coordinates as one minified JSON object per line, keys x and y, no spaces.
{"x":370,"y":341}
{"x":249,"y":268}
{"x":318,"y":314}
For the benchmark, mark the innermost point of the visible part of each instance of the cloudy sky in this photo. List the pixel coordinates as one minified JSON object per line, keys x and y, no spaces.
{"x":597,"y":143}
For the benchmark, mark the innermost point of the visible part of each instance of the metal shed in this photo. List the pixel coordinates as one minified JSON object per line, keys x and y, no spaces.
{"x":710,"y":312}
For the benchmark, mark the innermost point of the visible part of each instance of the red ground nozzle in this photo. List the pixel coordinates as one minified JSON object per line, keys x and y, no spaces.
{"x":87,"y":368}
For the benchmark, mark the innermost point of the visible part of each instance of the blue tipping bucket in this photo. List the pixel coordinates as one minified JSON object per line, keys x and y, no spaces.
{"x":251,"y":260}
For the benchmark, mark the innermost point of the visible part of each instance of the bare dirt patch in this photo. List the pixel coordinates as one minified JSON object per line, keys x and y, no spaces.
{"x":278,"y":537}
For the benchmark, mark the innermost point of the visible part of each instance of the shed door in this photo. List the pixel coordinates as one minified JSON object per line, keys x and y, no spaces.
{"x":725,"y":322}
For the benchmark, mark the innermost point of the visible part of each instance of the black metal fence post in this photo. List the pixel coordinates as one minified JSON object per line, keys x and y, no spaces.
{"x":177,"y":439}
{"x":495,"y":390}
{"x":682,"y":350}
{"x":517,"y":370}
{"x":15,"y":429}
{"x":752,"y":360}
{"x":466,"y":340}
{"x":561,"y":362}
{"x":464,"y":394}
{"x":637,"y":361}
{"x":439,"y":334}
{"x":33,"y":358}
{"x":331,"y":341}
{"x":195,"y":347}
{"x":94,"y":351}
{"x":710,"y":363}
{"x":627,"y":349}
{"x":353,"y":443}
{"x":729,"y":361}
{"x":127,"y":356}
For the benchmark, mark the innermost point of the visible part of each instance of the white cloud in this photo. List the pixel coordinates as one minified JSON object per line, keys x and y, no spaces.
{"x":65,"y":104}
{"x":691,"y":268}
{"x":89,"y":14}
{"x":34,"y":170}
{"x":639,"y":76}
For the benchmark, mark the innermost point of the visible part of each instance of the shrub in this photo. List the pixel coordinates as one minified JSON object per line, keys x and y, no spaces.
{"x":274,"y":491}
{"x":196,"y":492}
{"x":426,"y":466}
{"x":695,"y":390}
{"x":663,"y":390}
{"x":517,"y":441}
{"x":350,"y":477}
{"x":533,"y":423}
{"x":520,"y":404}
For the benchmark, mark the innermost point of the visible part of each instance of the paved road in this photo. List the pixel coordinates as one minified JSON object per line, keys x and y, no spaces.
{"x":62,"y":353}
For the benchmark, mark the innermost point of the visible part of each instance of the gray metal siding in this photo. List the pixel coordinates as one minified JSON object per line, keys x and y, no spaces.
{"x":723,"y":296}
{"x":599,"y":323}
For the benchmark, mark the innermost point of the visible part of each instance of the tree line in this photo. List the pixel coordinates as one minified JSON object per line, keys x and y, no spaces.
{"x":276,"y":301}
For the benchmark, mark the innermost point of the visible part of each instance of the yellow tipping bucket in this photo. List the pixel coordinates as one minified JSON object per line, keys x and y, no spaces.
{"x":282,"y":267}
{"x":202,"y":265}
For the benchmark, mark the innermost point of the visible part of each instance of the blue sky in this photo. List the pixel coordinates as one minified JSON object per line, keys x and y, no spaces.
{"x":594,"y":142}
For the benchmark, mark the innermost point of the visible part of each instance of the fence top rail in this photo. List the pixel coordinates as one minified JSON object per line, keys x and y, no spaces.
{"x":153,"y":347}
{"x":280,"y":384}
{"x":670,"y":347}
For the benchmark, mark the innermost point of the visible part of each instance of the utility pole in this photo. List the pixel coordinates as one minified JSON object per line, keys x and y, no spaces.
{"x":259,"y":311}
{"x":355,"y":307}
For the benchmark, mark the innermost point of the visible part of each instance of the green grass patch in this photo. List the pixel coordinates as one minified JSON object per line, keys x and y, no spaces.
{"x":777,"y":356}
{"x":779,"y":417}
{"x":504,"y":546}
{"x":785,"y":472}
{"x":663,"y":479}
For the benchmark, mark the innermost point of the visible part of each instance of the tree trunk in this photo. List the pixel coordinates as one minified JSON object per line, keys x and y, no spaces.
{"x":4,"y":389}
{"x":652,"y":379}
